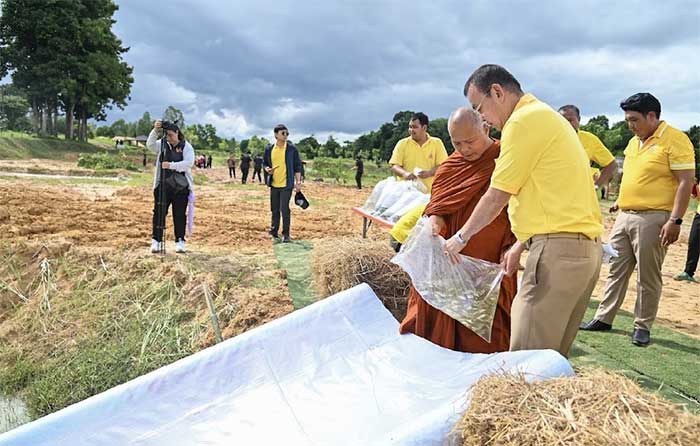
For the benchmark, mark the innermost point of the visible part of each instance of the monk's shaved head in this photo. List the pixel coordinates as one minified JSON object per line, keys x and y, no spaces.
{"x":464,"y":116}
{"x":468,"y":133}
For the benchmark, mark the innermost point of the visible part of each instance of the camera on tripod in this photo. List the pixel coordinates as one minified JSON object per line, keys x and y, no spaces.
{"x":169,"y":125}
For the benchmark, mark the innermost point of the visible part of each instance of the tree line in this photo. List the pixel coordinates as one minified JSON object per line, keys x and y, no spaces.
{"x":63,"y":59}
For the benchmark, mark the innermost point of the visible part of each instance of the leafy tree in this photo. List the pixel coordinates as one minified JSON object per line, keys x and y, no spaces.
{"x":144,"y":125}
{"x":694,"y":134}
{"x":331,"y":148}
{"x":175,"y":115}
{"x":14,"y":108}
{"x":244,"y":145}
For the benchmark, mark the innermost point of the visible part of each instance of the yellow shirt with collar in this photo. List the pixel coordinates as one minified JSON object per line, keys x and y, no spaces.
{"x":279,"y":164}
{"x":409,"y":155}
{"x":545,"y":169}
{"x":595,"y":149}
{"x":648,"y":182}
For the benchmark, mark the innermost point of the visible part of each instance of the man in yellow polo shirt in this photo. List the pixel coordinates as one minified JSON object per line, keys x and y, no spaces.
{"x":543,"y":175}
{"x":594,"y":147}
{"x":419,"y":155}
{"x":654,"y":194}
{"x":283,"y":167}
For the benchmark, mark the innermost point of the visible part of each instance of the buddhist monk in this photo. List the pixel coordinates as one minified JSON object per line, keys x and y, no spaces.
{"x":459,"y":184}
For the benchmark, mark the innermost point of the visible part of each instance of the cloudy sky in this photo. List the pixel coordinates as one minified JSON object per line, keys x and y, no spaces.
{"x":345,"y":67}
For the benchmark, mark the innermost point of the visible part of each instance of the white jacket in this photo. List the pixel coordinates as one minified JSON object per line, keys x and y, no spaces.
{"x":184,"y":166}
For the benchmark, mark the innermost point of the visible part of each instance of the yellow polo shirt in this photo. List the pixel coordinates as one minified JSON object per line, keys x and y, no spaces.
{"x":406,"y":223}
{"x":279,"y":175}
{"x":545,"y":169}
{"x":648,"y":182}
{"x":409,"y":155}
{"x":595,"y":149}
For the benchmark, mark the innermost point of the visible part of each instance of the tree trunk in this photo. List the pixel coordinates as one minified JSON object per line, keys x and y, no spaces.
{"x":35,"y":116}
{"x":49,"y":119}
{"x":55,"y":118}
{"x":42,"y":131}
{"x":80,"y":127}
{"x":70,"y":109}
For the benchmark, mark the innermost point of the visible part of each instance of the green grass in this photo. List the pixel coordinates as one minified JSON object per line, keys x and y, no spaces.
{"x":17,"y":145}
{"x":294,"y":257}
{"x":670,"y":364}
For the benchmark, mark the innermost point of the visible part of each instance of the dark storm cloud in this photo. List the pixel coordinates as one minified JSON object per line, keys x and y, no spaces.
{"x":346,"y":67}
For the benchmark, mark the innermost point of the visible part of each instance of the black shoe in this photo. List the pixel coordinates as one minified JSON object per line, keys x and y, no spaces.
{"x":286,"y":239}
{"x":274,"y":235}
{"x":641,"y":337}
{"x":595,"y":325}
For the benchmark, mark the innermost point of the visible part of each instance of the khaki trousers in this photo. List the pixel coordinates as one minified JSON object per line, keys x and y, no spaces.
{"x":636,"y":237}
{"x":560,"y":274}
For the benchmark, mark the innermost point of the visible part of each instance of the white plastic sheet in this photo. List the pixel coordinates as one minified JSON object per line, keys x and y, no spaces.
{"x":334,"y":373}
{"x":467,"y":291}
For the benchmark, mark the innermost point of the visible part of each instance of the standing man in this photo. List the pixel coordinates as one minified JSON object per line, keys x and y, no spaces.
{"x":543,"y":175}
{"x":691,"y":262}
{"x":231,"y":162}
{"x":419,"y":155}
{"x":359,"y":171}
{"x":257,"y":168}
{"x":654,"y":194}
{"x":594,"y":147}
{"x":209,"y":161}
{"x":245,"y":166}
{"x":282,"y":162}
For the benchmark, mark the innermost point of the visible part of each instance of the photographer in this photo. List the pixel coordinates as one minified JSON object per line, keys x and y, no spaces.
{"x":177,"y":164}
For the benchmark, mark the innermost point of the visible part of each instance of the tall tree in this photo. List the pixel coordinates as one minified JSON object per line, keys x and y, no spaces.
{"x":174,"y":114}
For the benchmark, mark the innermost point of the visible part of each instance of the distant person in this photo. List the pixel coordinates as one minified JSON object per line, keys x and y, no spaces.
{"x":303,"y":171}
{"x":282,"y":162}
{"x":231,"y":162}
{"x":145,"y":159}
{"x":594,"y":147}
{"x":257,"y":167}
{"x":177,"y":166}
{"x":359,"y":171}
{"x":245,"y":166}
{"x":209,"y":159}
{"x":419,"y":155}
{"x":654,"y":194}
{"x":691,"y":262}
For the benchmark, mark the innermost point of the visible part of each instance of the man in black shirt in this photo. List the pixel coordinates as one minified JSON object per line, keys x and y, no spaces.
{"x":257,"y":167}
{"x":359,"y":171}
{"x":245,"y":166}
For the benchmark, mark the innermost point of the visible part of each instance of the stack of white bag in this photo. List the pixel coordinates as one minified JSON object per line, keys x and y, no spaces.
{"x":391,"y":199}
{"x":467,"y":292}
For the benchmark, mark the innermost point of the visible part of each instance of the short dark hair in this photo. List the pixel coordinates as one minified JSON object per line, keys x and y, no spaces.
{"x":642,"y":103}
{"x":421,"y":117}
{"x":280,"y":127}
{"x":570,"y":107}
{"x":486,"y":75}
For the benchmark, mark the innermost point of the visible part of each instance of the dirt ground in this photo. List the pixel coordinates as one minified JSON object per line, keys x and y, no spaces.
{"x":231,"y":217}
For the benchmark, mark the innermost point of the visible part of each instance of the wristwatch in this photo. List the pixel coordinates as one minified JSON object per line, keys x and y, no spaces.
{"x":459,"y":237}
{"x":677,"y":221}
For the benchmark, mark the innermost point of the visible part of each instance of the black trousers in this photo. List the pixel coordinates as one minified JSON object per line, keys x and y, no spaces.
{"x":691,"y":263}
{"x":358,"y":179}
{"x":257,"y":172}
{"x":179,"y":203}
{"x":279,"y":204}
{"x":232,"y":172}
{"x":244,"y":173}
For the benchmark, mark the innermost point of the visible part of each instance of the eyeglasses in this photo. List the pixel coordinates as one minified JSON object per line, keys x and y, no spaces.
{"x":478,"y":107}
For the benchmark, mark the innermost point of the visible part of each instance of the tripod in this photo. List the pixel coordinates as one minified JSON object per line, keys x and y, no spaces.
{"x":161,"y":201}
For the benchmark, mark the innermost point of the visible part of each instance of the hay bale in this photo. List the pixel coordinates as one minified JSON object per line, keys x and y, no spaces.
{"x":339,"y":264}
{"x":595,"y":408}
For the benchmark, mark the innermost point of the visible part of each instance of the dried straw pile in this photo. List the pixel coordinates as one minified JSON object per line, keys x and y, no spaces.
{"x":595,"y":408}
{"x":339,"y":264}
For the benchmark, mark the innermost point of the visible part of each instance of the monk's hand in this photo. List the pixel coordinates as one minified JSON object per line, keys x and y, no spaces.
{"x":511,"y":260}
{"x":669,"y":233}
{"x":437,"y":223}
{"x":453,"y":246}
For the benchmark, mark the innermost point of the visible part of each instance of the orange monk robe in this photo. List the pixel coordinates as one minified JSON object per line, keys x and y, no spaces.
{"x":458,"y":186}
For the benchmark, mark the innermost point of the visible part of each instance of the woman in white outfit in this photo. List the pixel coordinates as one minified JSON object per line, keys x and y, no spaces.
{"x":177,"y":165}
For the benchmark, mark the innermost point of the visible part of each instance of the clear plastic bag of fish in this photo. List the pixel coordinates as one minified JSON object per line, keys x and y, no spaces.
{"x":421,"y":200}
{"x":373,"y":198}
{"x":467,"y":291}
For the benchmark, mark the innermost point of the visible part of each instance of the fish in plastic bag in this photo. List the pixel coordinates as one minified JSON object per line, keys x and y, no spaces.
{"x":467,"y":292}
{"x":373,"y":198}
